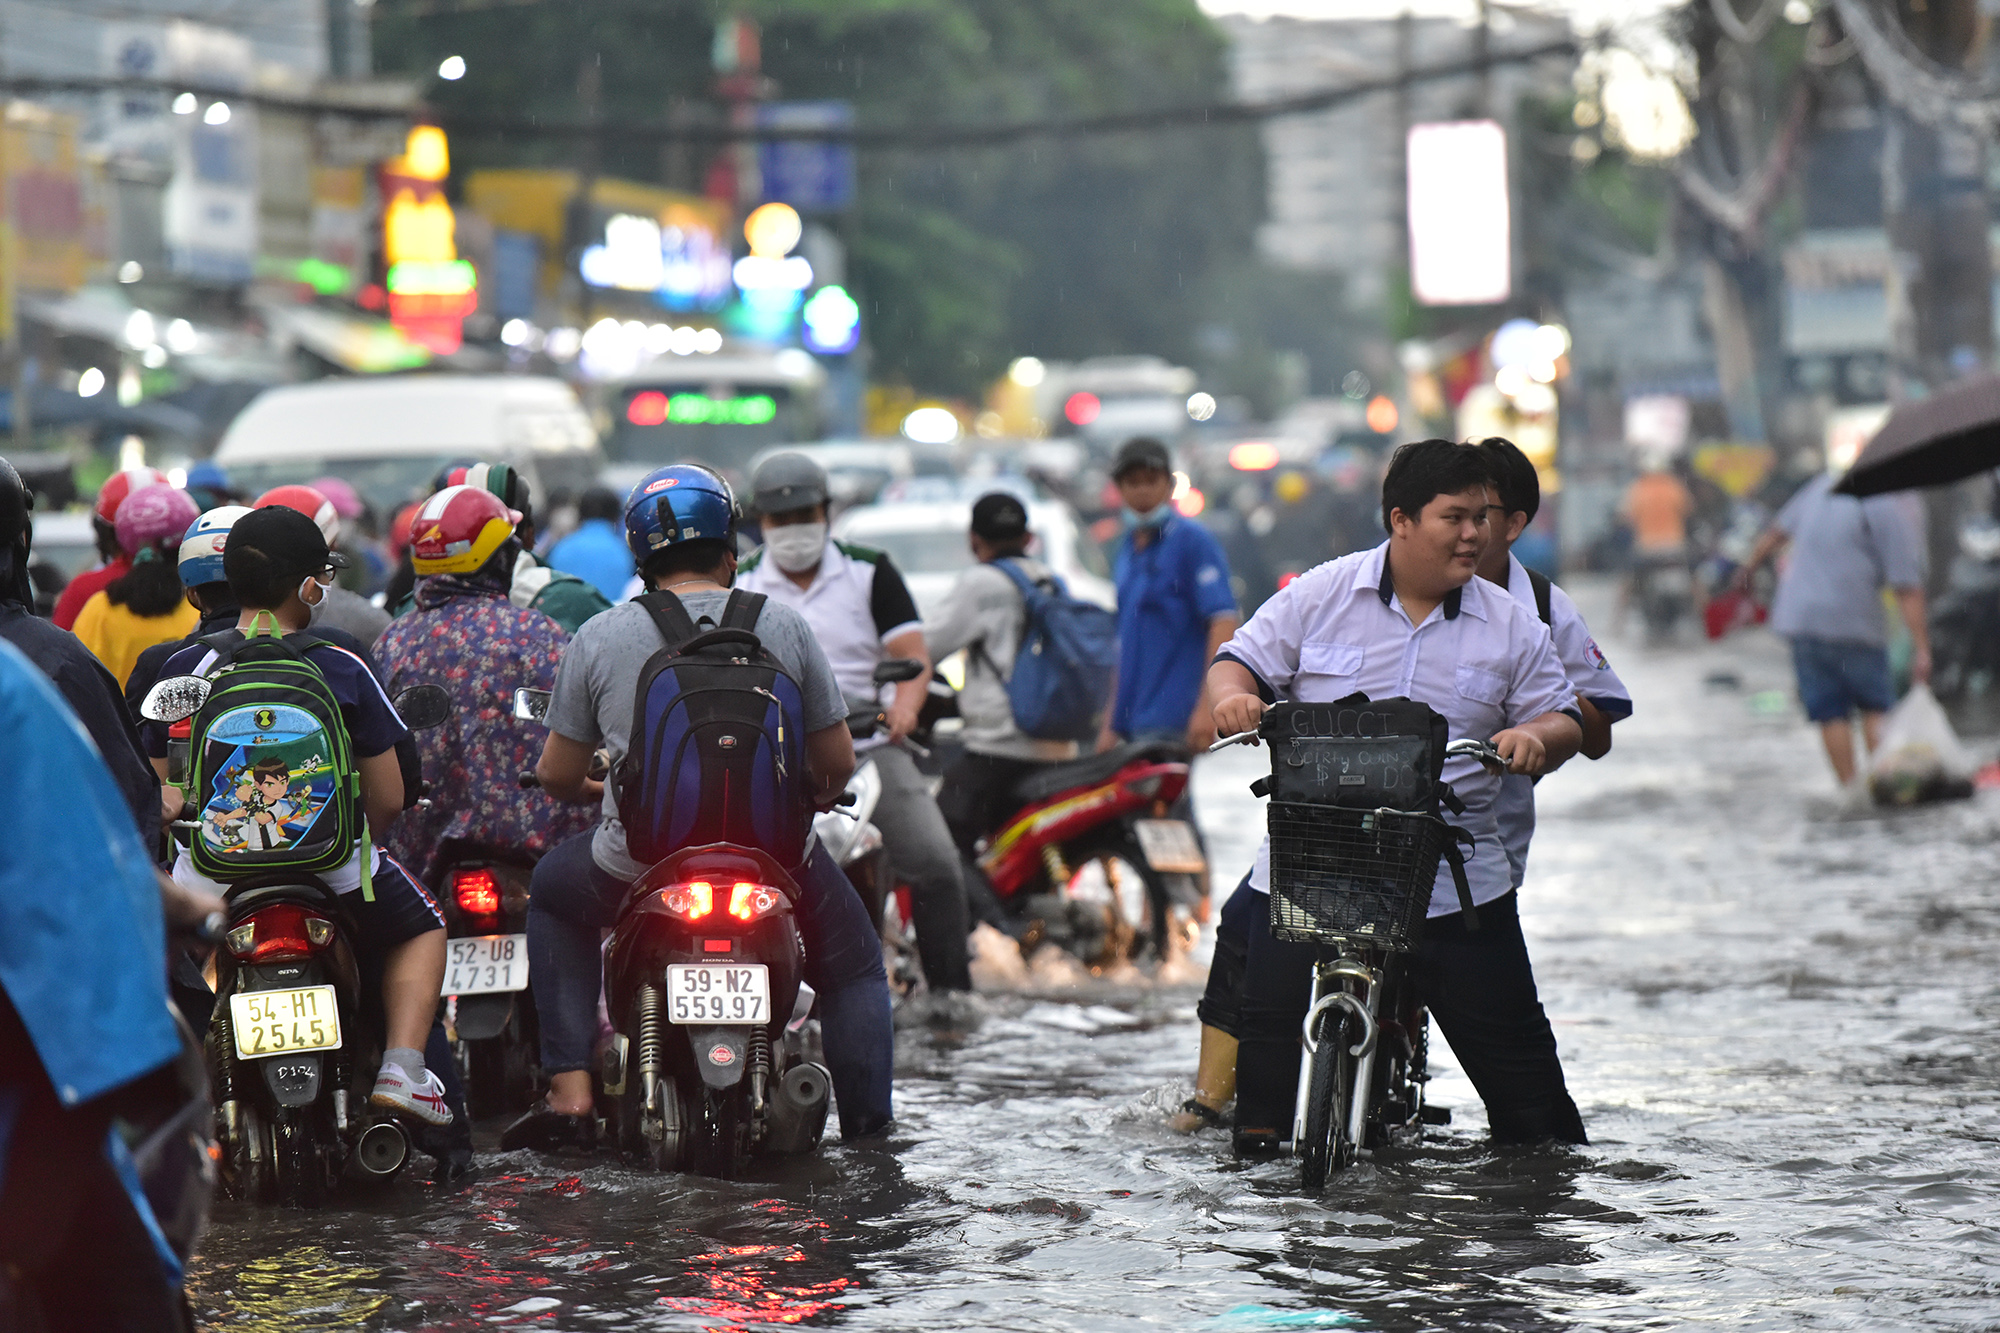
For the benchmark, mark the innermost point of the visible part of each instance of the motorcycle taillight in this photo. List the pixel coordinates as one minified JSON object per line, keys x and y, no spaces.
{"x":279,"y":932}
{"x":477,"y":892}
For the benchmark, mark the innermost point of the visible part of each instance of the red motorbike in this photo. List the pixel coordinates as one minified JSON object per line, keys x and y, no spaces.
{"x":1094,"y":862}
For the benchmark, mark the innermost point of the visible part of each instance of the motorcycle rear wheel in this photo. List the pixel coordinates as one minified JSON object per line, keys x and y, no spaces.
{"x":299,"y":1152}
{"x":1324,"y":1146}
{"x":721,"y":1133}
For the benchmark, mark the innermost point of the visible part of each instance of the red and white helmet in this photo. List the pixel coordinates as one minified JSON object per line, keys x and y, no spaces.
{"x":459,"y":529}
{"x":308,"y":502}
{"x":121,"y":485}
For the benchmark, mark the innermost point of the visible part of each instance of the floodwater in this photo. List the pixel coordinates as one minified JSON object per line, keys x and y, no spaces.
{"x":1778,"y":1017}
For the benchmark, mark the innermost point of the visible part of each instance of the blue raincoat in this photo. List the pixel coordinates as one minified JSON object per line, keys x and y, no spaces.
{"x":82,"y":943}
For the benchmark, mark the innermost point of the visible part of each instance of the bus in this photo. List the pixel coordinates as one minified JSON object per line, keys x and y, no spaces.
{"x":719,"y":410}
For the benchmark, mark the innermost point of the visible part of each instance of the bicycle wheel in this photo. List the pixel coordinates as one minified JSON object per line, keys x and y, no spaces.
{"x":1324,"y":1148}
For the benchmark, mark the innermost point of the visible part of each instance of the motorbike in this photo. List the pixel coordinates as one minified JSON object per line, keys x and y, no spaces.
{"x":710,"y":1063}
{"x":1093,"y":861}
{"x":1663,"y":590}
{"x":1965,"y":619}
{"x":489,"y":1008}
{"x":854,"y":842}
{"x":290,"y":1048}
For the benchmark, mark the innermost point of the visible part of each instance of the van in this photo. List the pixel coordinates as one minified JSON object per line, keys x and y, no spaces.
{"x":388,"y":438}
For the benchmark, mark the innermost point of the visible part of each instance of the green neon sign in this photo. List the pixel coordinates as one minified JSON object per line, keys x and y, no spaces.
{"x":693,"y":409}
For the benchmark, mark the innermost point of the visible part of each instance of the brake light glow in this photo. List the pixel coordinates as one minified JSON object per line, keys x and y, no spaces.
{"x":477,"y":891}
{"x":691,"y":901}
{"x":747,"y":902}
{"x":279,"y":932}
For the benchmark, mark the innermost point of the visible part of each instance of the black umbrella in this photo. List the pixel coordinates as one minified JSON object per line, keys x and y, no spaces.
{"x":1952,"y":434}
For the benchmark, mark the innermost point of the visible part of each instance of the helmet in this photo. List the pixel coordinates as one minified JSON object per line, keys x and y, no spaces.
{"x":499,"y":478}
{"x":307,"y":501}
{"x":121,"y":485}
{"x":681,"y":503}
{"x":201,"y":548}
{"x":152,"y":514}
{"x":17,"y":531}
{"x":399,"y":528}
{"x":341,"y":496}
{"x":208,"y":475}
{"x":787,"y":481}
{"x":443,"y":478}
{"x":458,"y":530}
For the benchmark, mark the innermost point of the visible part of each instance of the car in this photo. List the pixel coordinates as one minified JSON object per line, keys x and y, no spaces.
{"x":926,"y":540}
{"x":66,"y":540}
{"x":389,"y":437}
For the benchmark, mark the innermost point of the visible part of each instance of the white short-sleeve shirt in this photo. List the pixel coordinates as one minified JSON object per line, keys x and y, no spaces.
{"x":1479,"y":659}
{"x":1588,"y":671}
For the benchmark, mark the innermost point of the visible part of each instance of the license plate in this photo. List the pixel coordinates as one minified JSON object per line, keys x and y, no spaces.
{"x":1170,"y":846}
{"x":485,"y":965}
{"x":280,"y":1022}
{"x":716,"y":993}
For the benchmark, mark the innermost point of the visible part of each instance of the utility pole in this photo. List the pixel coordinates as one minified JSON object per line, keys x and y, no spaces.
{"x":1940,"y":279}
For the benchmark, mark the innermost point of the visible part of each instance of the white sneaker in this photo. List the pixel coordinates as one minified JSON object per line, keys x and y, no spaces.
{"x":424,"y":1100}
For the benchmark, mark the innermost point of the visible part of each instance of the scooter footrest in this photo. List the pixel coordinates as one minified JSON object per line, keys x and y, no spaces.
{"x":1437,"y":1115}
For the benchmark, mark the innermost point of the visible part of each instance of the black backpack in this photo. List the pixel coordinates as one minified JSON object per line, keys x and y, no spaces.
{"x":717,"y":751}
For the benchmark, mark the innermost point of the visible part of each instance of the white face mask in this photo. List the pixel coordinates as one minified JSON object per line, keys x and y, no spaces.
{"x":797,"y":546}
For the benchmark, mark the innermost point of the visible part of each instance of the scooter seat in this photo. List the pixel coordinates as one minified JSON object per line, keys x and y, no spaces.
{"x":1054,"y":779}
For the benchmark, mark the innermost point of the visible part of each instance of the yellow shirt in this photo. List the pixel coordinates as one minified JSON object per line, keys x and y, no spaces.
{"x":118,"y":636}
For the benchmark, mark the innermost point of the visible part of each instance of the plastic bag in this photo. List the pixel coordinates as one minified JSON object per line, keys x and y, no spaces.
{"x":1919,"y":758}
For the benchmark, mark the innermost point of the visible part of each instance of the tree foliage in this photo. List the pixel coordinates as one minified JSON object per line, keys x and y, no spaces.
{"x":962,"y":258}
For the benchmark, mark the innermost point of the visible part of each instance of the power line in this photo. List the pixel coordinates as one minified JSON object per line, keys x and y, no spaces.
{"x":888,"y":138}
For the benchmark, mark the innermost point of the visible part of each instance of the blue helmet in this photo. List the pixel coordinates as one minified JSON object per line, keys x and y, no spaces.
{"x":681,"y":503}
{"x":201,"y":548}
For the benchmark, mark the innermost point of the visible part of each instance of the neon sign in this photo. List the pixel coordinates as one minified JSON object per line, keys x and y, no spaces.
{"x":654,"y":408}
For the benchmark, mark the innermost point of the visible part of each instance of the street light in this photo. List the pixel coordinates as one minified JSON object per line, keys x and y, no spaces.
{"x":452,"y":69}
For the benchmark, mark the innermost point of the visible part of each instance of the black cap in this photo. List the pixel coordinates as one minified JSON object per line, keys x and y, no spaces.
{"x":999,"y":517}
{"x":1141,"y":452}
{"x":284,"y":538}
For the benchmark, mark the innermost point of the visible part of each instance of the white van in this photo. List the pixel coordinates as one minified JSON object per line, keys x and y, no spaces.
{"x":389,"y":437}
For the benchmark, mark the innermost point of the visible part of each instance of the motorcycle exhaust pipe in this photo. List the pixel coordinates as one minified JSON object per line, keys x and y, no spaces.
{"x":805,"y":1087}
{"x":381,"y":1151}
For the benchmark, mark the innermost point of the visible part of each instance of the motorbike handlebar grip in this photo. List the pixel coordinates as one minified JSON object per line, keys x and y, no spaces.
{"x":528,"y":782}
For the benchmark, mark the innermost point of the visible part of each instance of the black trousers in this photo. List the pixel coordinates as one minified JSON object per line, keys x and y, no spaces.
{"x":1480,"y":989}
{"x":976,"y":799}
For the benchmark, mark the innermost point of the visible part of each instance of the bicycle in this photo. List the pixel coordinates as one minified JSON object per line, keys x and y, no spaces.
{"x":1357,"y":884}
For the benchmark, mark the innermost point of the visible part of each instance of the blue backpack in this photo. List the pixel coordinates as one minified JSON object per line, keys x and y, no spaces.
{"x":1063,"y":664}
{"x":718,"y":745}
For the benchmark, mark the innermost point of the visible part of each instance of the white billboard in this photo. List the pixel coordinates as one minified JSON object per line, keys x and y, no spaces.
{"x":1461,"y":243}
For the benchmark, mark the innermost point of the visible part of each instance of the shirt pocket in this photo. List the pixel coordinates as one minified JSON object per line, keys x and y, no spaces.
{"x":1482,"y":684}
{"x":1334,"y":661}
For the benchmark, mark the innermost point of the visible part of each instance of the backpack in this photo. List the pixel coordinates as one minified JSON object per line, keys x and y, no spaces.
{"x":717,"y":750}
{"x":271,"y":766}
{"x":1544,"y":600}
{"x":1063,"y":665}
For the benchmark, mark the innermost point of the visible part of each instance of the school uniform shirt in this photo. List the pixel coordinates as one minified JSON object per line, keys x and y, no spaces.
{"x":1478,"y":658}
{"x":372,"y":728}
{"x":1585,"y":665}
{"x":856,"y":603}
{"x":1168,"y":592}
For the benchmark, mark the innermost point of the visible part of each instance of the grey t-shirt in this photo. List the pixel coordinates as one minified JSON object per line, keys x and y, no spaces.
{"x":598,"y":682}
{"x":1844,"y":552}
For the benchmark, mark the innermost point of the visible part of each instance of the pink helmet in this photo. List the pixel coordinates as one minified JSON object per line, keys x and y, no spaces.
{"x":153,"y":514}
{"x":346,"y":503}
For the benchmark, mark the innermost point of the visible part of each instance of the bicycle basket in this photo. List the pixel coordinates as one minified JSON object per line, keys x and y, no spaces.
{"x":1359,"y":876}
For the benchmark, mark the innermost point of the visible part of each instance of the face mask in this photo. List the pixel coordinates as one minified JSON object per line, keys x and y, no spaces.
{"x":312,"y":601}
{"x":1151,"y":518}
{"x":797,"y":546}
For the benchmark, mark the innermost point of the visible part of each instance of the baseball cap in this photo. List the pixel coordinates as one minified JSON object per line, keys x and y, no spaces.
{"x":787,"y":481}
{"x":999,"y":517}
{"x":281,"y":537}
{"x":1141,"y":452}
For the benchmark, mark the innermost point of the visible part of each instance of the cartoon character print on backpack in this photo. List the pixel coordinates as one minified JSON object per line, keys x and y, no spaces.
{"x":270,"y":791}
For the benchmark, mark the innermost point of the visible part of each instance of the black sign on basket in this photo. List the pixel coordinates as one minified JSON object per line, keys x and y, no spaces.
{"x":1356,"y":753}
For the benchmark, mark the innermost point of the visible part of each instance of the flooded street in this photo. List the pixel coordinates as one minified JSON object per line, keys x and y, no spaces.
{"x":1778,"y":1019}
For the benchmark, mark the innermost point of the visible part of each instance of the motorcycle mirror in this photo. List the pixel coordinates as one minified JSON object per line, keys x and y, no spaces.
{"x":174,"y":698}
{"x":424,"y":706}
{"x":532,"y":705}
{"x":897,"y":670}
